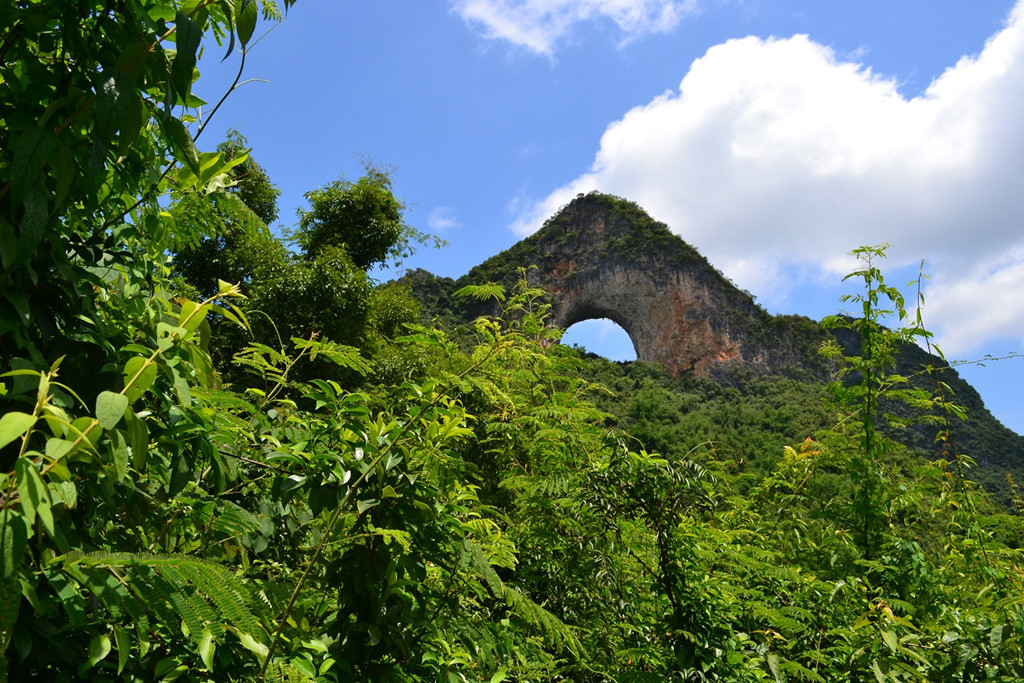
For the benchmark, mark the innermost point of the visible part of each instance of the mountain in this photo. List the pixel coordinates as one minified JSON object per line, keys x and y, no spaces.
{"x":604,"y":257}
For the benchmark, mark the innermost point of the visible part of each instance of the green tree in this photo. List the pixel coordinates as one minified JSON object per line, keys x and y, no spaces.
{"x":323,"y":290}
{"x":364,"y":218}
{"x":225,"y":235}
{"x":251,"y":181}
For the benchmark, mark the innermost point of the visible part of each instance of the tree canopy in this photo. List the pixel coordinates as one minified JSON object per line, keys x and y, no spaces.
{"x":364,"y":218}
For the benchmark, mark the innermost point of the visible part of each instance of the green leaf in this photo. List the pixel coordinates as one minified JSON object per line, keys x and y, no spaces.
{"x":22,"y":314}
{"x":139,"y":375}
{"x":167,"y":335}
{"x":234,"y":315}
{"x":773,"y":664}
{"x":191,"y":316}
{"x":138,"y":440}
{"x":10,"y":604}
{"x":33,"y":222}
{"x":231,"y":43}
{"x":99,"y":647}
{"x":187,"y":37}
{"x":305,"y":666}
{"x":65,"y":174}
{"x":124,"y":648}
{"x":995,"y":637}
{"x":481,"y":292}
{"x":890,"y":640}
{"x":165,"y":666}
{"x":181,"y":143}
{"x":881,"y":677}
{"x":31,"y":488}
{"x":13,"y":426}
{"x":58,"y":448}
{"x":181,"y":474}
{"x":245,"y":19}
{"x":201,"y":363}
{"x":207,"y":647}
{"x":253,"y":645}
{"x":13,"y":539}
{"x":69,"y":494}
{"x":33,"y":149}
{"x":120,"y":454}
{"x":108,"y":114}
{"x":110,"y":408}
{"x":45,"y":514}
{"x":83,"y":424}
{"x":131,"y":123}
{"x":500,"y":675}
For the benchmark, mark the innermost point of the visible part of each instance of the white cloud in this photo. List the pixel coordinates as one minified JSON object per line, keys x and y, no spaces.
{"x":775,"y":156}
{"x":539,"y":25}
{"x":985,"y":303}
{"x":442,"y":219}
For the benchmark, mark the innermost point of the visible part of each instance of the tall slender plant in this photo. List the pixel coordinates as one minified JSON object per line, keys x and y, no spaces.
{"x":868,"y":383}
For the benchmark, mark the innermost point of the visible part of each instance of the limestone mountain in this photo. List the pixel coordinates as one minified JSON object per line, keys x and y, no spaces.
{"x":604,"y":257}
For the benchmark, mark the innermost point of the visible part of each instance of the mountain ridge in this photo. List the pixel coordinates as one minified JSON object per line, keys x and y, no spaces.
{"x":602,"y":256}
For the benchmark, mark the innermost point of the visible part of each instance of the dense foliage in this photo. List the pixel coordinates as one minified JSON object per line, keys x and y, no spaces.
{"x":226,"y":460}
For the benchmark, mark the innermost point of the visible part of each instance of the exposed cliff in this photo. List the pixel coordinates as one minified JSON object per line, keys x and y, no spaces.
{"x":604,"y":257}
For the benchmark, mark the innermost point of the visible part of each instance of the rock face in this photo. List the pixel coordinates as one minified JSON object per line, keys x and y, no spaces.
{"x":604,"y":257}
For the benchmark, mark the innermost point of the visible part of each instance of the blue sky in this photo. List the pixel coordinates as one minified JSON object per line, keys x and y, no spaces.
{"x":773,"y":136}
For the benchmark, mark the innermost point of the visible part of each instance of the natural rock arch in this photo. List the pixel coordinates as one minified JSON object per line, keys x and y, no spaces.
{"x":598,"y":313}
{"x":604,"y":257}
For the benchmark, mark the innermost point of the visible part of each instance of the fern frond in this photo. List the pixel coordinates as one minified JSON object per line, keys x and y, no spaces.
{"x":341,"y":355}
{"x":284,"y":672}
{"x":555,"y":633}
{"x":173,"y":588}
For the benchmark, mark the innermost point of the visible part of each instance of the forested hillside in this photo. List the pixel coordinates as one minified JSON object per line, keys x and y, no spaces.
{"x":226,"y":455}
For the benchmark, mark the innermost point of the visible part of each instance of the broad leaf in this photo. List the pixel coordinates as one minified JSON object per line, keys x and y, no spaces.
{"x":245,"y":19}
{"x":13,"y":426}
{"x":110,"y":408}
{"x":99,"y":647}
{"x":31,"y":488}
{"x":139,"y":375}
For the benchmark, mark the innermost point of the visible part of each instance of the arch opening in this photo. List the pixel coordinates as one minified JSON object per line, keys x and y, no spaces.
{"x":602,"y":336}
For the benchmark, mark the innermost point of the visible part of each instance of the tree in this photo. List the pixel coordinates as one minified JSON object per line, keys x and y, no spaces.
{"x":323,"y":290}
{"x":251,"y":181}
{"x":225,"y":235}
{"x":469,"y":514}
{"x":363,"y":217}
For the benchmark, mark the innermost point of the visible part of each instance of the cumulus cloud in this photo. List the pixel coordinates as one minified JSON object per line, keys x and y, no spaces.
{"x":776,"y":157}
{"x":442,"y":219}
{"x":539,"y":25}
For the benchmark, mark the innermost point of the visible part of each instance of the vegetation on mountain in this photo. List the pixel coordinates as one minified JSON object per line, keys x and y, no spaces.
{"x":589,"y":234}
{"x":223,"y":459}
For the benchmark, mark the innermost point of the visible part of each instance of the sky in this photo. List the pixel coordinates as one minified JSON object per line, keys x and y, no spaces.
{"x":772,"y":136}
